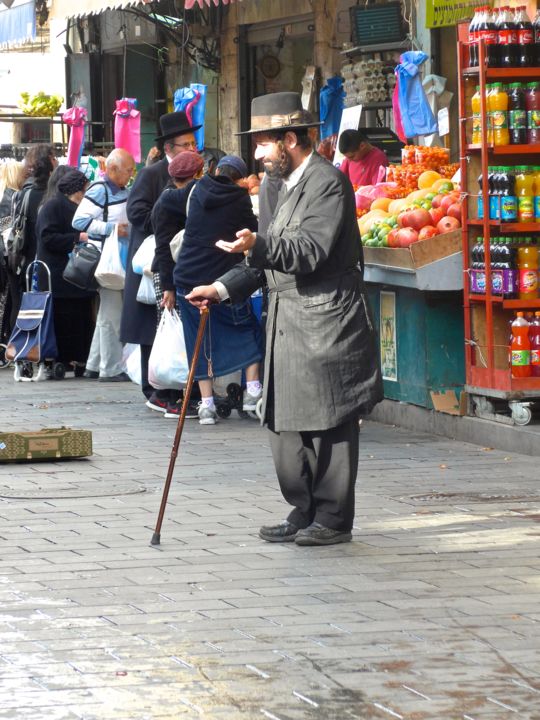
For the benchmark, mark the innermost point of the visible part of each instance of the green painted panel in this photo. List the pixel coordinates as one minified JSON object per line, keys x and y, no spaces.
{"x":141,"y":71}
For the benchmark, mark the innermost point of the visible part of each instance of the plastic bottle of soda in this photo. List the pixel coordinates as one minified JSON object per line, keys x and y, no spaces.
{"x":534,"y":339}
{"x":537,"y":193}
{"x":490,"y":38}
{"x":507,"y":38}
{"x":494,"y":193}
{"x":525,"y":35}
{"x":532,"y":101}
{"x":520,"y":348}
{"x":480,"y":199}
{"x":536,"y":29}
{"x":525,"y":194}
{"x":527,"y":263}
{"x":473,"y":39}
{"x":477,"y":275}
{"x":517,"y":114}
{"x":508,"y":266}
{"x":499,"y":115}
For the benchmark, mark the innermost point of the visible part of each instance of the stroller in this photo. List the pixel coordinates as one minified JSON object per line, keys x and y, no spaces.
{"x":33,"y":340}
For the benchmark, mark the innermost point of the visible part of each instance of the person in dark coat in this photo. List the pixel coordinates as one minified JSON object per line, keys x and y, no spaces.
{"x":138,"y":323}
{"x":218,"y":208}
{"x":169,"y":218}
{"x":39,"y":163}
{"x":72,"y":307}
{"x":322,"y":367}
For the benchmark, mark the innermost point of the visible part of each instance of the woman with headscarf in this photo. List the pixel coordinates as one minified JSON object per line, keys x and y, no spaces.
{"x":72,"y":307}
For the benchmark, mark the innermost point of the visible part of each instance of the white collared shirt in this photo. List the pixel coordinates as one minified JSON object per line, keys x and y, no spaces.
{"x":296,"y":175}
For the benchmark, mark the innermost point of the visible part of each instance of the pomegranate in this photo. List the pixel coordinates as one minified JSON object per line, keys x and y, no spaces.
{"x":415,"y":219}
{"x":427,"y":232}
{"x":436,"y":215}
{"x":454,"y":211}
{"x":406,"y":236}
{"x":446,"y":202}
{"x":447,"y":224}
{"x":436,"y":201}
{"x":392,"y":239}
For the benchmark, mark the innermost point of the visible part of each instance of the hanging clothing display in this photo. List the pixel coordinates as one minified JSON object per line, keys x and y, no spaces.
{"x":127,"y":127}
{"x":75,"y":117}
{"x":331,"y":106}
{"x":416,"y":115}
{"x":192,"y":101}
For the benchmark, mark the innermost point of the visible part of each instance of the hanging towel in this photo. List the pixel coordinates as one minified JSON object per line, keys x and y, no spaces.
{"x":416,"y":115}
{"x":127,"y":127}
{"x":75,"y":117}
{"x":331,"y":106}
{"x":192,"y":101}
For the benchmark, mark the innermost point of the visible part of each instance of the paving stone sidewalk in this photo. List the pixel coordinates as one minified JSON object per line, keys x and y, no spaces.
{"x":433,"y":611}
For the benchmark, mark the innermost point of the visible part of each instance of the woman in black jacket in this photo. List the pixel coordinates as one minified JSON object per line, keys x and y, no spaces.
{"x":72,"y":307}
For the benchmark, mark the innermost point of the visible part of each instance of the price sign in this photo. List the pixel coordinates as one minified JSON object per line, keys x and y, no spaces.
{"x":441,"y":13}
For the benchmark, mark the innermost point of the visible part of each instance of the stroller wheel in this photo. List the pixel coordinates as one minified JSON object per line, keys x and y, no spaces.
{"x":223,"y":409}
{"x":58,"y":371}
{"x":27,"y":371}
{"x":234,"y":393}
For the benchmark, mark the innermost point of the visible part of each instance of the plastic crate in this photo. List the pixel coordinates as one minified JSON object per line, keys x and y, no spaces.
{"x":377,"y":24}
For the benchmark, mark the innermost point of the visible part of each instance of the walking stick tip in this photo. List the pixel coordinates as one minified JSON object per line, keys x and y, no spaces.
{"x":156,"y":537}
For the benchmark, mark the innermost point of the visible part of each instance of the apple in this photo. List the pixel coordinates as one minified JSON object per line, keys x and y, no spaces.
{"x":427,"y":232}
{"x":406,"y":236}
{"x":447,"y":224}
{"x":415,"y":219}
{"x":455,"y":211}
{"x":436,"y":215}
{"x":446,"y":202}
{"x":392,"y":238}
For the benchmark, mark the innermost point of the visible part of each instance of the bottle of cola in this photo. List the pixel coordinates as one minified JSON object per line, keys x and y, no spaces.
{"x":507,"y":39}
{"x":525,"y":38}
{"x":473,"y":39}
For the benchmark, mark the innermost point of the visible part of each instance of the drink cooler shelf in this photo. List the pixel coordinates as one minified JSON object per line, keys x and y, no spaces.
{"x":507,"y":304}
{"x":505,"y":73}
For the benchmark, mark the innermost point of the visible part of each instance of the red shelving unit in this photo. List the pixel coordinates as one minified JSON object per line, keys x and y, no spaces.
{"x":488,"y":316}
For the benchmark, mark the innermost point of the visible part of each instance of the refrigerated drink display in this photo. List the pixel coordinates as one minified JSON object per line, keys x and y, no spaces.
{"x":527,"y":265}
{"x":525,"y":38}
{"x":520,"y":348}
{"x":534,"y":339}
{"x":508,"y":197}
{"x":532,"y":103}
{"x":517,"y":114}
{"x":525,"y":194}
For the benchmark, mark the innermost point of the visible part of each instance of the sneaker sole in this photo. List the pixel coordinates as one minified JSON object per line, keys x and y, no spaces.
{"x":177,"y":415}
{"x":274,"y":539}
{"x":207,"y":421}
{"x":155,"y":407}
{"x":305,"y":540}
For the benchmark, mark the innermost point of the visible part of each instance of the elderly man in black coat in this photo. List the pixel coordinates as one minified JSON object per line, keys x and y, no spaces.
{"x":139,"y":320}
{"x":322,"y":366}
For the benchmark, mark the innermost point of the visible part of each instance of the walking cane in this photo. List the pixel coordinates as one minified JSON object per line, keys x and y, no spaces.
{"x":156,"y":537}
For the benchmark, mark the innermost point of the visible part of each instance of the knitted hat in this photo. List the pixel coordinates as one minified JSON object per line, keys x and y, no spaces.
{"x":235,"y":162}
{"x":185,"y":165}
{"x":73,"y":181}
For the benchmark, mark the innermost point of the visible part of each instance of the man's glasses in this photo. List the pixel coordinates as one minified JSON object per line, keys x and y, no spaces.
{"x":186,"y":145}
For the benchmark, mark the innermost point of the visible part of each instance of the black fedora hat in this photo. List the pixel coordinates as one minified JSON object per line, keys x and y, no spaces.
{"x":277,"y":112}
{"x":175,"y":123}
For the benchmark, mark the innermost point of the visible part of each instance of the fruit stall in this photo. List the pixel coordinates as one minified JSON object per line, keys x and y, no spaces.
{"x":410,"y":228}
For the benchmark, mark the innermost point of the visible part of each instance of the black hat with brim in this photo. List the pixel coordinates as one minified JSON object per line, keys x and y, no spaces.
{"x":174,"y":124}
{"x":278,"y":112}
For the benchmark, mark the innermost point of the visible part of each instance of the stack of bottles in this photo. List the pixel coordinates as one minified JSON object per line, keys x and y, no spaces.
{"x":525,"y":346}
{"x":511,"y":39}
{"x":513,"y":114}
{"x":513,"y":192}
{"x":514,"y":268}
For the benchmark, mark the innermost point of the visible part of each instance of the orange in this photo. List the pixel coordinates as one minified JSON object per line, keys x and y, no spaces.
{"x":427,"y":178}
{"x":380,"y":204}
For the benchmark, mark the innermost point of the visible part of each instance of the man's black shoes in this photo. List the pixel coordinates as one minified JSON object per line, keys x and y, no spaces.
{"x":284,"y":532}
{"x":317,"y":534}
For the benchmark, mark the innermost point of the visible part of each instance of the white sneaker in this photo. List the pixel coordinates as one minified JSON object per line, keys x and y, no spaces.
{"x":250,"y":401}
{"x":207,"y":415}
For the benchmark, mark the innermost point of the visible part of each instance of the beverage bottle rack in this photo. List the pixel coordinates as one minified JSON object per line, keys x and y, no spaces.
{"x":489,"y":382}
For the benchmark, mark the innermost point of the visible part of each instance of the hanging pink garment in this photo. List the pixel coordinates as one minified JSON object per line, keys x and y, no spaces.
{"x":75,"y":117}
{"x":398,"y":122}
{"x":127,"y":127}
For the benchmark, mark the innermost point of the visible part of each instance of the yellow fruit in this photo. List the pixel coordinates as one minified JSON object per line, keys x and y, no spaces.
{"x":417,"y":195}
{"x":396,"y":206}
{"x":443,"y":183}
{"x":381,"y":204}
{"x":367,"y":220}
{"x":427,"y":178}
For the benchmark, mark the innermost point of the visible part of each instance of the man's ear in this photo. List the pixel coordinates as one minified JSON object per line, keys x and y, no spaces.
{"x":290,"y":140}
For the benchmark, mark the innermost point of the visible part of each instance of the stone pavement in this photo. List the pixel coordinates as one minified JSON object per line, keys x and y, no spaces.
{"x":432,"y":612}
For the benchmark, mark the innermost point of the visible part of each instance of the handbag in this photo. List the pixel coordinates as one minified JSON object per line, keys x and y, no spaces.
{"x":110,"y":272}
{"x":178,"y":239}
{"x":81,"y":266}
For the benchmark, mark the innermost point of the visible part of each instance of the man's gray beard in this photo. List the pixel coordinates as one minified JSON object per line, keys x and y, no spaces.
{"x":279,"y":169}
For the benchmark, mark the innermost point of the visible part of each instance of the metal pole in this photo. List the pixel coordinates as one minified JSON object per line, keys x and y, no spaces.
{"x":156,"y":537}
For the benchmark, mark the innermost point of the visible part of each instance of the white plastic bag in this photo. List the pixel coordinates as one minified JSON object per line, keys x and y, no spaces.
{"x":146,"y":293}
{"x":110,"y":273}
{"x":144,"y":255}
{"x":131,"y":360}
{"x":176,"y":244}
{"x":168,"y":366}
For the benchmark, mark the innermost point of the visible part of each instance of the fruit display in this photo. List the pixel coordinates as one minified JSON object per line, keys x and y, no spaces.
{"x":40,"y":105}
{"x":433,"y":208}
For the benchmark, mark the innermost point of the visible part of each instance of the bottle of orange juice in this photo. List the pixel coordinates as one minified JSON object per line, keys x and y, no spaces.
{"x":489,"y":113}
{"x":499,"y":115}
{"x":476,"y":118}
{"x":527,"y":264}
{"x":525,"y":194}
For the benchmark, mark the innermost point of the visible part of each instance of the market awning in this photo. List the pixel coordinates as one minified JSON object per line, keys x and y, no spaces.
{"x":191,"y":3}
{"x":62,"y":9}
{"x":17,"y":22}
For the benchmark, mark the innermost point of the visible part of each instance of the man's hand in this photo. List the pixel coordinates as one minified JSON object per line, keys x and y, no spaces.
{"x":203,"y":296}
{"x":83,"y":237}
{"x":169,"y":299}
{"x":123,"y":229}
{"x":244,"y":242}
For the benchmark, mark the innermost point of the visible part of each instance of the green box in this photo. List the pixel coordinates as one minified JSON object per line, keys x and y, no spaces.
{"x":46,"y":444}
